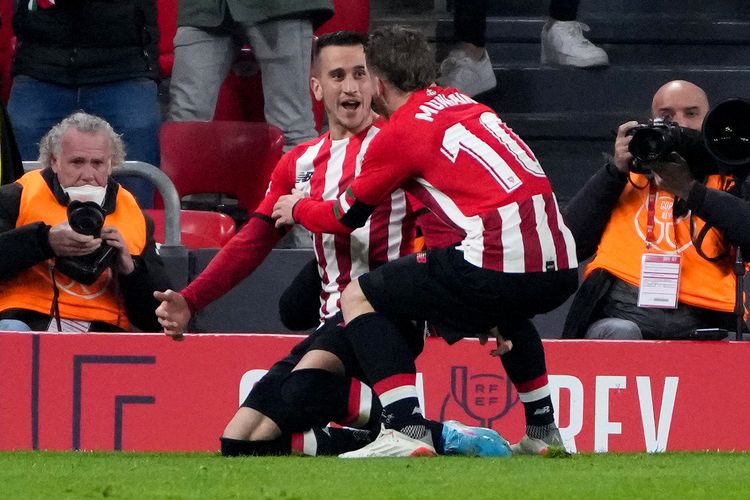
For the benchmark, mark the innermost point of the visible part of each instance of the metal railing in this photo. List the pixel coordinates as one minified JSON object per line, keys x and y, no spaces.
{"x":172,"y":223}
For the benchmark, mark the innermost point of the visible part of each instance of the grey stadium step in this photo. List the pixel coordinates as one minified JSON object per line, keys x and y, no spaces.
{"x":629,"y":88}
{"x":733,"y":8}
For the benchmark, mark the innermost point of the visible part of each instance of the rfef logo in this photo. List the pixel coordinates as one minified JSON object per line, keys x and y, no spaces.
{"x":484,"y":397}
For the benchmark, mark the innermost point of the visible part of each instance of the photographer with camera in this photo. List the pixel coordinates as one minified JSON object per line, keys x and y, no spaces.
{"x":662,"y":221}
{"x":78,"y":252}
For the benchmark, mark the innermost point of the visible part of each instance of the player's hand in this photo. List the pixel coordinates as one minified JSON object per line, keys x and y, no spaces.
{"x":112,"y":237}
{"x":173,"y":313}
{"x":67,"y":243}
{"x":503,"y":346}
{"x":622,"y":157}
{"x":283,"y":211}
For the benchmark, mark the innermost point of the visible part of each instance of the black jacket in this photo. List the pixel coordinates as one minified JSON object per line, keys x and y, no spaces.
{"x":26,"y":246}
{"x":588,"y":214}
{"x":11,"y":167}
{"x":82,"y":42}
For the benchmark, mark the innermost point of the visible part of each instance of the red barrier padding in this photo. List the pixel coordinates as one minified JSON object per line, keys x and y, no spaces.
{"x":148,"y":393}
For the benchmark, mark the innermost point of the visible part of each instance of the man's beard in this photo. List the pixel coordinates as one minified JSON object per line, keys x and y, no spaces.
{"x":378,"y":105}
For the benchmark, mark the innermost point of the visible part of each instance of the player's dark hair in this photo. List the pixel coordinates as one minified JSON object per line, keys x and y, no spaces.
{"x":339,"y":39}
{"x":401,"y":56}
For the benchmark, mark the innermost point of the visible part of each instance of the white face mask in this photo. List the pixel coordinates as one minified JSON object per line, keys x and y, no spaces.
{"x":87,"y":193}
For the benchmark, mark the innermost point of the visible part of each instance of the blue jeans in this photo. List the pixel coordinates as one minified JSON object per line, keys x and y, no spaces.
{"x":130,"y":106}
{"x":13,"y":325}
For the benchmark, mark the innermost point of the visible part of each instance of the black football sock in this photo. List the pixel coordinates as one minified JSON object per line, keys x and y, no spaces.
{"x":527,"y":369}
{"x":387,"y":361}
{"x":319,"y":394}
{"x":240,"y":447}
{"x":381,"y":350}
{"x":364,"y":408}
{"x":328,"y":441}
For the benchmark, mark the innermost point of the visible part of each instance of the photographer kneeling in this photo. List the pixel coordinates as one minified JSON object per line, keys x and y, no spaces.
{"x":662,"y":231}
{"x":77,"y":251}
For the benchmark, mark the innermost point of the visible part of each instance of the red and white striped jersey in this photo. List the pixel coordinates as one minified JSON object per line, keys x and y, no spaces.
{"x":469,"y":168}
{"x":323,"y":168}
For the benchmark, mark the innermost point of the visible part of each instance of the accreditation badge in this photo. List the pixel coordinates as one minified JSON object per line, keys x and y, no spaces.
{"x":660,"y":280}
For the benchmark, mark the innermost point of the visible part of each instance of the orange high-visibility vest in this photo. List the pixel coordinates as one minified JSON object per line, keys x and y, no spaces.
{"x":33,"y":289}
{"x":705,"y":284}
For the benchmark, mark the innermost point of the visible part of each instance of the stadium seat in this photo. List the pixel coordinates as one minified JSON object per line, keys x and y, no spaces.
{"x":353,"y":15}
{"x":200,"y":229}
{"x":227,"y":157}
{"x":195,"y":229}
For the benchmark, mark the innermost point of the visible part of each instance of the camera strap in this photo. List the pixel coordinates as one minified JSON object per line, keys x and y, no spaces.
{"x":729,"y":187}
{"x":651,"y":214}
{"x":698,"y":242}
{"x":58,"y":324}
{"x":55,"y":308}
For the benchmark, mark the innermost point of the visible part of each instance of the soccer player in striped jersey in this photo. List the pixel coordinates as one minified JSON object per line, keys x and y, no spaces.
{"x":265,"y":423}
{"x":318,"y":383}
{"x":517,"y":257}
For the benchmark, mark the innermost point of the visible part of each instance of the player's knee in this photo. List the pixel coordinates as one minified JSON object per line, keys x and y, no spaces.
{"x":319,"y":394}
{"x":614,"y":329}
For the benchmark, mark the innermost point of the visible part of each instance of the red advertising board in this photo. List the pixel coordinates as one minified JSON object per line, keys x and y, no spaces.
{"x":149,"y":393}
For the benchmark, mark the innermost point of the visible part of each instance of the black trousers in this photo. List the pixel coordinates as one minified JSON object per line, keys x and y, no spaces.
{"x":470,"y":18}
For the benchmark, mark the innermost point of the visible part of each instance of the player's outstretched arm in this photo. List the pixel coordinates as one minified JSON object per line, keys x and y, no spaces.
{"x":173,"y":313}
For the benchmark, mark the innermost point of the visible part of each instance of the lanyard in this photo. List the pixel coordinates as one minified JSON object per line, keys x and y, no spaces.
{"x":651,"y":207}
{"x":653,"y":192}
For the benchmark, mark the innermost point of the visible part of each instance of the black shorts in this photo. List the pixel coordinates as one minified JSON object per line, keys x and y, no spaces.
{"x":265,"y":396}
{"x":461,"y":299}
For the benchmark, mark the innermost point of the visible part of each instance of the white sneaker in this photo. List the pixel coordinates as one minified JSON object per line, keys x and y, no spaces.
{"x":552,"y":445}
{"x":391,"y":443}
{"x":471,"y":77}
{"x":563,"y":43}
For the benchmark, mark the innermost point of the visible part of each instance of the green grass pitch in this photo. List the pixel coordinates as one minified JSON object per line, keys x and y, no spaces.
{"x":55,"y":475}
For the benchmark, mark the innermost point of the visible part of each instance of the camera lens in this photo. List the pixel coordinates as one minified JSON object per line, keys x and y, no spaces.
{"x":648,"y":144}
{"x":727,"y":132}
{"x":85,"y":218}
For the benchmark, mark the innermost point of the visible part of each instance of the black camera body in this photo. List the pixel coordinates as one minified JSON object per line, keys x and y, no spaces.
{"x":654,"y":140}
{"x":659,"y":138}
{"x":87,"y":218}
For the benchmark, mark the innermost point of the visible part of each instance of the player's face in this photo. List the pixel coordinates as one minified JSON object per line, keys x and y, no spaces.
{"x":84,"y":159}
{"x":682,"y":102}
{"x":344,"y":86}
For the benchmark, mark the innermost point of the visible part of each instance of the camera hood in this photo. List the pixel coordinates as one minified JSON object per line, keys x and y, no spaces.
{"x":726,"y":132}
{"x":86,"y":217}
